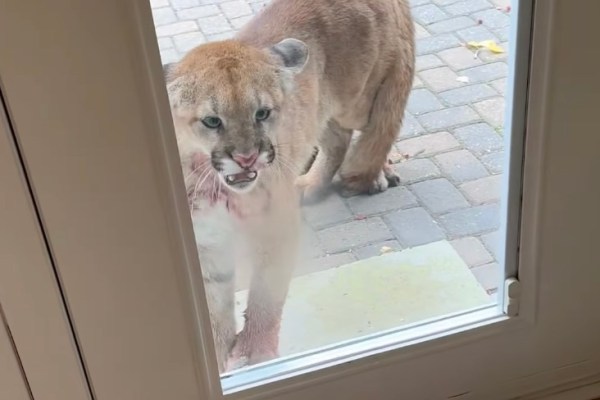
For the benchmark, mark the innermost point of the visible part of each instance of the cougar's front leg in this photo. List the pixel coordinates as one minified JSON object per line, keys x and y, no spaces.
{"x":276,"y":256}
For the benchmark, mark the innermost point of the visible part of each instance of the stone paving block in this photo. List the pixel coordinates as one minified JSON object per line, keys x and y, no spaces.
{"x":187,"y":41}
{"x":476,"y":33}
{"x":439,"y":195}
{"x":417,"y":82}
{"x":451,"y":25}
{"x":310,"y":247}
{"x":461,"y":166}
{"x":494,"y":162}
{"x":258,"y":6}
{"x":163,"y":16}
{"x":238,"y":23}
{"x":423,"y":101}
{"x":436,"y":43}
{"x":440,"y":79}
{"x":479,"y":138}
{"x":410,"y":126}
{"x":428,"y":14}
{"x":414,"y":227}
{"x":484,"y":190}
{"x":471,"y":221}
{"x":354,"y":234}
{"x":466,"y":7}
{"x":329,"y":211}
{"x":326,"y":262}
{"x":159,"y":3}
{"x":493,"y":18}
{"x":392,"y":199}
{"x":176,"y":28}
{"x":493,"y":242}
{"x":467,"y":94}
{"x":492,"y":110}
{"x":165,"y":43}
{"x":486,"y":72}
{"x":427,"y":61}
{"x":445,"y":2}
{"x":459,"y":58}
{"x":214,"y":24}
{"x":415,"y":3}
{"x":503,"y":34}
{"x":427,"y":145}
{"x":421,"y":32}
{"x":488,"y":276}
{"x":181,"y":4}
{"x":235,"y":9}
{"x":374,"y":250}
{"x":169,"y":56}
{"x":448,"y":118}
{"x":220,"y":36}
{"x":198,"y":12}
{"x":416,"y":170}
{"x":499,"y":85}
{"x":472,"y":251}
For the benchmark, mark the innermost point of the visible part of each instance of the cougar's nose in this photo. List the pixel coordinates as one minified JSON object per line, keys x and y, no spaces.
{"x":245,"y":160}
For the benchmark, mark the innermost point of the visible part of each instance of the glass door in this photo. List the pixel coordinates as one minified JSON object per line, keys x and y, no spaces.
{"x":193,"y":258}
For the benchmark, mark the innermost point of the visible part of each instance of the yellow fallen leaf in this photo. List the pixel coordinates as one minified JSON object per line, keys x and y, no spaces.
{"x":486,"y":44}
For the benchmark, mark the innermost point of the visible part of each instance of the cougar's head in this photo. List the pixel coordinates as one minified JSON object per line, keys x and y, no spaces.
{"x":226,"y":98}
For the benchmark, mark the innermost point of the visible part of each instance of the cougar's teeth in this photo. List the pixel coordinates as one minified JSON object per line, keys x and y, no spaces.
{"x":252,"y":174}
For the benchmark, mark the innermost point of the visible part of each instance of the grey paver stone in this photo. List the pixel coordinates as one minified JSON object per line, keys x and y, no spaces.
{"x":391,"y":199}
{"x":492,"y":110}
{"x":165,"y":43}
{"x":410,"y":126}
{"x":461,"y":166}
{"x":492,"y":242}
{"x":421,"y":32}
{"x":198,"y":12}
{"x":466,"y":7}
{"x":374,"y":250}
{"x":486,"y":72}
{"x":257,"y":6}
{"x":476,"y":33}
{"x":354,"y":234}
{"x":214,"y":24}
{"x":180,"y":4}
{"x":460,"y":58}
{"x":239,"y":22}
{"x":169,"y":56}
{"x":448,"y":117}
{"x":414,"y":227}
{"x":493,"y":18}
{"x":499,"y":85}
{"x":163,"y":16}
{"x":220,"y":36}
{"x":427,"y":61}
{"x":176,"y":28}
{"x":423,"y":101}
{"x":479,"y":138}
{"x":328,"y":211}
{"x":445,"y":2}
{"x":472,"y":251}
{"x":428,"y":14}
{"x":503,"y":34}
{"x":471,"y":221}
{"x":484,"y":190}
{"x":236,"y":8}
{"x":494,"y":162}
{"x":187,"y":41}
{"x":159,"y":3}
{"x":417,"y":82}
{"x":415,"y":3}
{"x":416,"y":170}
{"x":436,"y":43}
{"x":426,"y":145}
{"x":451,"y":25}
{"x":467,"y":94}
{"x":439,"y":195}
{"x":488,"y":276}
{"x":440,"y":79}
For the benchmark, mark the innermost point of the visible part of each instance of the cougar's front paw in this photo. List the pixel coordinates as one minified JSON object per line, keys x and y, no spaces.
{"x":355,"y":185}
{"x":311,"y":189}
{"x":252,"y":349}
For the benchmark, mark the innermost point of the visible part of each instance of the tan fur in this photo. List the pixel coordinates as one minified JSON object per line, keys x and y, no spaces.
{"x":357,"y":77}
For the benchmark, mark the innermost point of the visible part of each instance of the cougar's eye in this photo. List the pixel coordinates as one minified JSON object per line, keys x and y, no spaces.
{"x":262,"y":114}
{"x":212,"y":122}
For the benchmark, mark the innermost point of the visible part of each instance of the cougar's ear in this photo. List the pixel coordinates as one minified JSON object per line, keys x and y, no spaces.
{"x":292,"y":53}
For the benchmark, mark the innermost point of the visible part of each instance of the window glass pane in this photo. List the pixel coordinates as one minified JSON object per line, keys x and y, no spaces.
{"x":403,"y":202}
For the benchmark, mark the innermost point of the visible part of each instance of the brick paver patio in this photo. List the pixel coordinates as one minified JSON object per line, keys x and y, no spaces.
{"x":450,"y":151}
